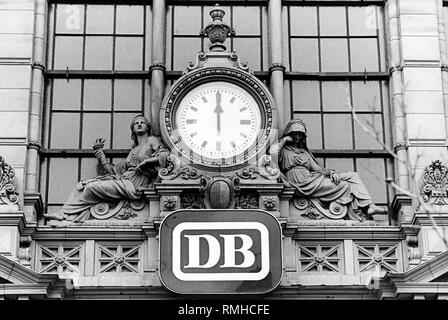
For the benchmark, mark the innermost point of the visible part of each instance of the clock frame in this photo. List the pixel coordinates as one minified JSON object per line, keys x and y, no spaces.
{"x":209,"y":75}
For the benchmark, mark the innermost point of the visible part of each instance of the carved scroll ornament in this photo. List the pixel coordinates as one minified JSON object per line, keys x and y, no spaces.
{"x":8,"y":194}
{"x":434,"y":184}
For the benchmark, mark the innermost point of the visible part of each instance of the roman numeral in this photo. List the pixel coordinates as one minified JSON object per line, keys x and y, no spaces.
{"x":218,"y":145}
{"x":204,"y":144}
{"x":233,"y":144}
{"x":191,"y":121}
{"x":194,"y":108}
{"x":244,"y":121}
{"x":232,"y":100}
{"x":204,"y":99}
{"x":193,"y":134}
{"x":243,"y":109}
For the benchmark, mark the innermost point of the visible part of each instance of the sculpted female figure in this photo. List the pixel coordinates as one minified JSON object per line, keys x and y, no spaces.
{"x":123,"y":181}
{"x":310,"y":180}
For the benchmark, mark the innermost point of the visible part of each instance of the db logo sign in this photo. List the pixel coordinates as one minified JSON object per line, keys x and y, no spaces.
{"x":220,"y":251}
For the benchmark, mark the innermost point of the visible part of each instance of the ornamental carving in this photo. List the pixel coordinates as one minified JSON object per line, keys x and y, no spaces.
{"x":434,"y":184}
{"x":217,"y":31}
{"x":246,"y":200}
{"x":377,"y":258}
{"x":59,"y":258}
{"x":8,"y":194}
{"x":320,"y":258}
{"x":219,"y":192}
{"x":191,"y":200}
{"x":118,"y":258}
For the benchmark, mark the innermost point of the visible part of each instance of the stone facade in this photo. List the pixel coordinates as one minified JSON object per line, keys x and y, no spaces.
{"x":384,"y":258}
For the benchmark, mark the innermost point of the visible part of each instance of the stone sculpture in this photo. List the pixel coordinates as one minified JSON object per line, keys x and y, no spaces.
{"x":301,"y":171}
{"x":123,"y":181}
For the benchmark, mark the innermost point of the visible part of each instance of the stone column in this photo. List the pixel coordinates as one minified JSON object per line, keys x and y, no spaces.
{"x":35,"y":120}
{"x":276,"y":68}
{"x":396,"y":92}
{"x":443,"y":57}
{"x":158,"y":62}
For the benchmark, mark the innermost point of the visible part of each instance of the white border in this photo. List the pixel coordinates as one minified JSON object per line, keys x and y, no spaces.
{"x":243,"y":276}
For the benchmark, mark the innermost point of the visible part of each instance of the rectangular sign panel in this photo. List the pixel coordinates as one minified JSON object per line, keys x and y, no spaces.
{"x":220,"y":251}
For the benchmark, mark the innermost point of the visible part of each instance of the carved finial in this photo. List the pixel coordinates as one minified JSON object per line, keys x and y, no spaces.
{"x":217,"y":31}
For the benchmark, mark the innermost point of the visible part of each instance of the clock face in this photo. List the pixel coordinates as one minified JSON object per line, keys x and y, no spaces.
{"x":218,"y":120}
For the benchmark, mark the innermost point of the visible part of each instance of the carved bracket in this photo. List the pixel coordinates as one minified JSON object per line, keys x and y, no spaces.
{"x":124,"y":210}
{"x":312,"y":208}
{"x":8,"y":194}
{"x":174,"y":169}
{"x":264,"y":170}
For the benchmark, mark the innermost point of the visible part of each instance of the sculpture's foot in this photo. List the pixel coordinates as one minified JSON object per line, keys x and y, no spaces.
{"x":54,"y":216}
{"x":374,"y":209}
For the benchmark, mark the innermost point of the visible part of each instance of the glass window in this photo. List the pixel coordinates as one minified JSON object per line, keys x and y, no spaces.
{"x":303,"y":21}
{"x":60,"y":189}
{"x":128,"y":95}
{"x":98,"y":54}
{"x":67,"y":94}
{"x":334,"y":53}
{"x":332,"y":21}
{"x":338,"y":131}
{"x":68,"y":53}
{"x":306,"y":96}
{"x":129,"y":20}
{"x":335,"y":96}
{"x":305,"y":55}
{"x":97,"y":95}
{"x":70,"y":19}
{"x":95,"y":125}
{"x":65,"y":131}
{"x":128,"y":53}
{"x":100,"y":19}
{"x":364,"y":55}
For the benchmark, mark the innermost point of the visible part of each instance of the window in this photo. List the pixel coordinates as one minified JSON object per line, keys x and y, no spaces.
{"x":97,"y":81}
{"x":185,"y":23}
{"x":336,"y":62}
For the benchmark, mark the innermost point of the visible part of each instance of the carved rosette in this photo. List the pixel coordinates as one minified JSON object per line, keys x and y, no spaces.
{"x":8,"y":194}
{"x":434,"y":184}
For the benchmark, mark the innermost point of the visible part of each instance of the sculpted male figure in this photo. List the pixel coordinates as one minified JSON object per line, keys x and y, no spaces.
{"x":140,"y":169}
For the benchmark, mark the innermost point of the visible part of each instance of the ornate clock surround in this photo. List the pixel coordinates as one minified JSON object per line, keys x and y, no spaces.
{"x":209,"y":74}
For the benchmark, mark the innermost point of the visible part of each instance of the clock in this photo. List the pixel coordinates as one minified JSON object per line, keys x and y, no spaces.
{"x":217,"y":118}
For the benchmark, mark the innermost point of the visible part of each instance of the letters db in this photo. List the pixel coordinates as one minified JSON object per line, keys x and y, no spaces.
{"x":220,"y":252}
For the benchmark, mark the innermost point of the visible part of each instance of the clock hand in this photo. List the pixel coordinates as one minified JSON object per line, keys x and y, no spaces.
{"x":218,"y":110}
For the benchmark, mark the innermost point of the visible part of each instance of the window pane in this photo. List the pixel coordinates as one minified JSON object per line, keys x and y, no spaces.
{"x":129,"y":19}
{"x":246,"y":20}
{"x":185,"y":50}
{"x":100,"y":19}
{"x":98,"y":53}
{"x":128,"y":95}
{"x":65,"y":131}
{"x":314,"y":129}
{"x":303,"y":21}
{"x":339,"y":164}
{"x":366,"y":96}
{"x":332,"y":21}
{"x":97,"y":94}
{"x":68,"y":53}
{"x":248,"y":51}
{"x":66,"y":94}
{"x":187,"y":20}
{"x":304,"y":55}
{"x":63,"y":176}
{"x":335,"y":96}
{"x":363,"y":140}
{"x":338,"y":131}
{"x":122,"y":131}
{"x":88,"y":168}
{"x":128,"y":53}
{"x":334,"y":54}
{"x":69,"y":18}
{"x":371,"y":172}
{"x":306,"y":96}
{"x":364,"y":54}
{"x":95,"y":125}
{"x":362,"y":21}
